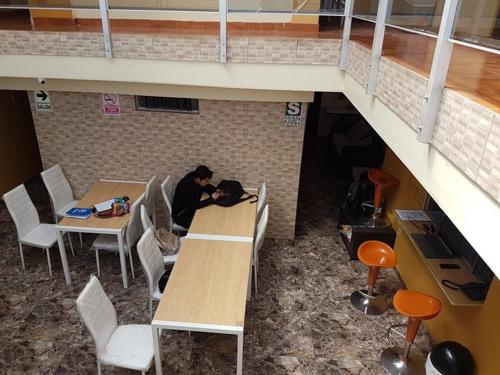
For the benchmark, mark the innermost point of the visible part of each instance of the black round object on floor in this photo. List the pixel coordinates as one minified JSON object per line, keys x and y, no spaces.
{"x":452,"y":358}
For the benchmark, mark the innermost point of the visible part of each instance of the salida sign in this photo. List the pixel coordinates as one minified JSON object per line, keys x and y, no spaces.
{"x":42,"y":101}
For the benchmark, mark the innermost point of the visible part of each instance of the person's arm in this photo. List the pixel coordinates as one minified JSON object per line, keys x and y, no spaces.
{"x":209,"y":189}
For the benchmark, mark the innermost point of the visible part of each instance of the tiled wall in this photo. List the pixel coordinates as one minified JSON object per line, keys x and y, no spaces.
{"x":238,"y":140}
{"x":466,"y":133}
{"x":358,"y":59}
{"x":275,"y":50}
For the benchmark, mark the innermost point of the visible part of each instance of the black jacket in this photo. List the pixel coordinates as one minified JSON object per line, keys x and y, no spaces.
{"x":187,"y":199}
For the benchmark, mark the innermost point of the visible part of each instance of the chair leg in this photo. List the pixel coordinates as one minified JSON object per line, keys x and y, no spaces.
{"x":150,"y":308}
{"x":97,"y":262}
{"x":48,"y":261}
{"x":81,"y":240}
{"x":71,"y":244}
{"x":255,"y":278}
{"x":22,"y":255}
{"x":131,"y":263}
{"x":98,"y":367}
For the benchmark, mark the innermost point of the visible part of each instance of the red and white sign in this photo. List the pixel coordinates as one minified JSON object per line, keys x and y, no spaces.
{"x":110,"y":104}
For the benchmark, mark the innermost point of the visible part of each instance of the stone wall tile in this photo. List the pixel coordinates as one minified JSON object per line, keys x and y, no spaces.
{"x":489,"y":169}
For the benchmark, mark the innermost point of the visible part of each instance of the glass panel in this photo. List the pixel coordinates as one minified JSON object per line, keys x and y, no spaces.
{"x":187,"y":5}
{"x":287,"y":6}
{"x":422,"y":15}
{"x":477,"y":22}
{"x":366,"y":9}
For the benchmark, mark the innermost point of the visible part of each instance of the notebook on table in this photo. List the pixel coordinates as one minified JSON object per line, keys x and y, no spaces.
{"x":79,"y":213}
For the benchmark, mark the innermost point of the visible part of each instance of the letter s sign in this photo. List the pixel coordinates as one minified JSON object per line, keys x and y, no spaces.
{"x":293,"y":108}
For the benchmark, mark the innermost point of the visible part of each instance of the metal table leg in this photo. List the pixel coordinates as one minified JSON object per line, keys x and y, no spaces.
{"x":123,"y":260}
{"x":157,"y":349}
{"x":239,"y":358}
{"x":62,"y":253}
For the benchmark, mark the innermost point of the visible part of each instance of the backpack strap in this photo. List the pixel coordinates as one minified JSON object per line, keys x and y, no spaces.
{"x":250,"y":196}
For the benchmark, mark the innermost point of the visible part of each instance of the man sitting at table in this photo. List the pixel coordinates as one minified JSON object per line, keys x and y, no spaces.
{"x":188,"y":194}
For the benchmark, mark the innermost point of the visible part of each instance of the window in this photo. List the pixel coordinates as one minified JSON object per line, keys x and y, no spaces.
{"x":165,"y":104}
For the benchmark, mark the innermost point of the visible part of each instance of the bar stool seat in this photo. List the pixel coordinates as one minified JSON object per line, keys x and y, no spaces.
{"x":376,"y":255}
{"x":417,"y":307}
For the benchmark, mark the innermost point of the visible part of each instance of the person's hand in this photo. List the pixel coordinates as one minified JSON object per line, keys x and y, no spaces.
{"x":216,"y":195}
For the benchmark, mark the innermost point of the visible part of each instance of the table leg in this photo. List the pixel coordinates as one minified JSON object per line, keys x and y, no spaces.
{"x":62,"y":253}
{"x":123,"y":260}
{"x":239,"y":359}
{"x":157,"y":349}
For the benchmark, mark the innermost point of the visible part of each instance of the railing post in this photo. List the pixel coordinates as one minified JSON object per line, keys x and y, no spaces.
{"x":439,"y":71}
{"x":346,"y":34}
{"x":108,"y":46}
{"x":384,"y":9}
{"x":223,"y":30}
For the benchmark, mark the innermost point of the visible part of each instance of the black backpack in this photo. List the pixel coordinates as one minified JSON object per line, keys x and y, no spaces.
{"x":232,"y":193}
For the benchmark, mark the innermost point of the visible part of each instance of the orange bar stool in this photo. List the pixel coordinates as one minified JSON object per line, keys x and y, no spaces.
{"x":382,"y":180}
{"x":417,"y":307}
{"x":376,"y":255}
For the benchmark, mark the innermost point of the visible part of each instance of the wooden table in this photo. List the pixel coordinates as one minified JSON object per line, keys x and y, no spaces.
{"x":101,"y":191}
{"x":210,"y":282}
{"x":236,"y":223}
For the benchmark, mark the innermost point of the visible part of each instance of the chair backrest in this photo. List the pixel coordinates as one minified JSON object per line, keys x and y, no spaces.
{"x":58,"y":187}
{"x":134,"y":227}
{"x":151,"y":259}
{"x":261,"y":228}
{"x":262,"y":200}
{"x":151,"y":188}
{"x":167,"y":191}
{"x":22,"y":210}
{"x":97,"y":313}
{"x":145,"y":220}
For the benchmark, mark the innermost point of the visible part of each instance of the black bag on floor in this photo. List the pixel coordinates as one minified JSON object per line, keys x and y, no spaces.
{"x":162,"y":283}
{"x":231,"y":193}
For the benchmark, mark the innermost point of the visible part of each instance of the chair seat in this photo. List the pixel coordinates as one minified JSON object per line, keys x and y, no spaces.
{"x":169,"y":259}
{"x":43,"y":235}
{"x":157,"y":294}
{"x":130,"y":346}
{"x":107,"y":242}
{"x":62,"y":211}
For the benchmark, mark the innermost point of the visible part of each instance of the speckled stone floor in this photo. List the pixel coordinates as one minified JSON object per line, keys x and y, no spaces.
{"x":301,"y":322}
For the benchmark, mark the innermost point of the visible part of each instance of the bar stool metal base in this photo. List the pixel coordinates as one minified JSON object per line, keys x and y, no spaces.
{"x":369,"y":305}
{"x":393,"y":364}
{"x":377,"y":221}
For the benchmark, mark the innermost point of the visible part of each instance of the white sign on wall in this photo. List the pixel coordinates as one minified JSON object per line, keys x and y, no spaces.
{"x":293,"y":113}
{"x":110,"y":104}
{"x":42,"y":101}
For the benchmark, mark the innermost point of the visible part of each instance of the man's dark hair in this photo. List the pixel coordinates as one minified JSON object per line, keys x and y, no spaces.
{"x":202,"y":172}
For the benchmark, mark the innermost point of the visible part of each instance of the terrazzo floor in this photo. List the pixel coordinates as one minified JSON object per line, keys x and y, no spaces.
{"x":301,"y":322}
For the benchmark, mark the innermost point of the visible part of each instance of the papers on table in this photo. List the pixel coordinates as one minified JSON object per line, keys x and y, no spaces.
{"x":79,"y":213}
{"x":103,"y":206}
{"x":417,"y":215}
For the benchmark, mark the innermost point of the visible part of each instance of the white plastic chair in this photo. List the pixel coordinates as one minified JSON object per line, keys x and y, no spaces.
{"x":147,"y":223}
{"x":150,"y":198}
{"x":167,"y":191}
{"x":60,"y":193}
{"x":133,"y":231}
{"x":29,"y":229}
{"x":127,"y":346}
{"x":259,"y":241}
{"x":262,"y":200}
{"x":152,"y":262}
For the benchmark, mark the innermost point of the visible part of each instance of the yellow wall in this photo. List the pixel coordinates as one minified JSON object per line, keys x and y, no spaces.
{"x":478,"y":328}
{"x":19,"y":155}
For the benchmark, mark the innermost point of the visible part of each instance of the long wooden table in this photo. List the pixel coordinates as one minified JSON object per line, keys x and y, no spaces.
{"x":101,"y":191}
{"x":210,"y":282}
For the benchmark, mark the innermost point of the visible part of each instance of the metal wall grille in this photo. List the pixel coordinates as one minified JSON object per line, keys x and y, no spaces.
{"x":166,"y":104}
